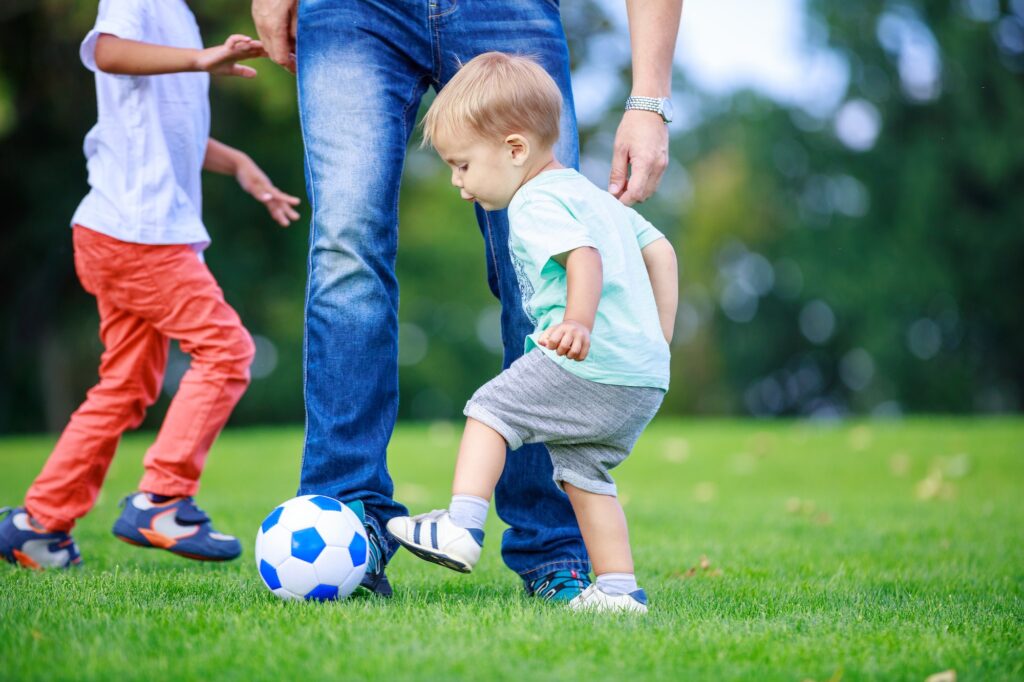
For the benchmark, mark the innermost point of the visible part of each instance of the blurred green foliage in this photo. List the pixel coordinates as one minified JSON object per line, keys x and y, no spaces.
{"x":823,"y":273}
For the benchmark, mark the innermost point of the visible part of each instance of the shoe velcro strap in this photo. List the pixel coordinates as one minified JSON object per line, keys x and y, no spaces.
{"x":191,"y":514}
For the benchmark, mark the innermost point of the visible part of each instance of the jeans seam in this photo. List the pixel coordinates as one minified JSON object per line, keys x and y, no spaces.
{"x":309,"y":277}
{"x":494,"y":257}
{"x":436,"y":52}
{"x":455,"y":6}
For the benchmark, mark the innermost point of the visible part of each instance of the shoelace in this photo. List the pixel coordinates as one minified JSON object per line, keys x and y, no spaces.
{"x":189,"y":512}
{"x":375,"y":552}
{"x":552,"y":584}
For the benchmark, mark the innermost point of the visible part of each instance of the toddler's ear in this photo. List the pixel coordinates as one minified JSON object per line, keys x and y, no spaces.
{"x":518,"y":148}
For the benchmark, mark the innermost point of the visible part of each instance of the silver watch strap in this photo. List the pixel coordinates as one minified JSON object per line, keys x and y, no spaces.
{"x":644,"y":103}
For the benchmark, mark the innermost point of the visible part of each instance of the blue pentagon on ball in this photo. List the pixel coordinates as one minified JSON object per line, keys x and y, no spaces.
{"x":307,"y":545}
{"x":269,"y":574}
{"x":323,"y":592}
{"x":271,"y":520}
{"x":326,"y":503}
{"x":357,"y":549}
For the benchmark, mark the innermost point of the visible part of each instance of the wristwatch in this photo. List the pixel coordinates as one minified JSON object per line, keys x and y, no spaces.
{"x":659,"y":105}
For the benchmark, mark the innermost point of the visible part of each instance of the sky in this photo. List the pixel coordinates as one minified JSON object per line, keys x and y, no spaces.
{"x":765,"y":45}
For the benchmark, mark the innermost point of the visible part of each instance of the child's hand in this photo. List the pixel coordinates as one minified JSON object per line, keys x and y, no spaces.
{"x":570,"y":338}
{"x":254,"y":181}
{"x":221,"y":59}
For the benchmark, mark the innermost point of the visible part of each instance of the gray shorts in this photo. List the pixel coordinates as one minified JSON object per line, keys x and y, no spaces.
{"x":589,"y":428}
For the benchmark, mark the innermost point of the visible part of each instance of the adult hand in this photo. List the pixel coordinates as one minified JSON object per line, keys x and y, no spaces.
{"x":275,"y":23}
{"x":568,"y":338}
{"x":222,"y":60}
{"x":279,"y":205}
{"x":640,"y":156}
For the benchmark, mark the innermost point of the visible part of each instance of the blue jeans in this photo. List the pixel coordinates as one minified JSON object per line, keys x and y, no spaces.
{"x":363,"y":66}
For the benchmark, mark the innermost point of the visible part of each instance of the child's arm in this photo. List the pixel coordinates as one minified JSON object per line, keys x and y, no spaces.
{"x":660,"y":259}
{"x":220,"y":158}
{"x":132,"y":58}
{"x":584,"y":281}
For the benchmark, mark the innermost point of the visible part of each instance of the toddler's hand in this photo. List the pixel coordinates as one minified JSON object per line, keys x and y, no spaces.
{"x":254,"y":181}
{"x":569,"y":338}
{"x":221,"y":59}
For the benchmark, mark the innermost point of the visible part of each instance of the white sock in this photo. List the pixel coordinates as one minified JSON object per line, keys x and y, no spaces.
{"x":614,"y":584}
{"x":469,"y":511}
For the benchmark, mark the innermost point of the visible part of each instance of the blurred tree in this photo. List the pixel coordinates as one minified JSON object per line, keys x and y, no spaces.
{"x":867,"y":259}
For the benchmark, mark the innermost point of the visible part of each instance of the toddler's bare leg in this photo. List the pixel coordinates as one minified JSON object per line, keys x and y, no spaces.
{"x":480,"y":462}
{"x":603,"y":525}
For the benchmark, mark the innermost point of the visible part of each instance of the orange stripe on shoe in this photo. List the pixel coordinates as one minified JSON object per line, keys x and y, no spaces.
{"x":158,"y":539}
{"x":26,"y":561}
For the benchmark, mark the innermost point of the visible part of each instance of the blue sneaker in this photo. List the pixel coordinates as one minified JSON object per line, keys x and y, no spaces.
{"x":26,"y":543}
{"x":564,"y":585}
{"x":375,"y":581}
{"x":175,"y":524}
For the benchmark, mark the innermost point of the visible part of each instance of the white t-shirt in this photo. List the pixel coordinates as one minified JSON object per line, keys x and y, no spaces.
{"x":145,"y":153}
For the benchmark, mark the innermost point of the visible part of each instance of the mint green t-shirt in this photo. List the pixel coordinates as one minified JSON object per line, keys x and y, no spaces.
{"x":558,"y":211}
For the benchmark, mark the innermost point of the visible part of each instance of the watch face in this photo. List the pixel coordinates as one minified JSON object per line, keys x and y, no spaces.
{"x":666,"y":109}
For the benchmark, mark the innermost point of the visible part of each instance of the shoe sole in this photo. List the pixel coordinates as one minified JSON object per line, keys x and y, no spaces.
{"x":435,"y":557}
{"x":641,"y":610}
{"x":186,"y":555}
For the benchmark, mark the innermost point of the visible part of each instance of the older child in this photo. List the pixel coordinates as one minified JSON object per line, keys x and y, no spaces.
{"x":587,"y":265}
{"x":138,"y":240}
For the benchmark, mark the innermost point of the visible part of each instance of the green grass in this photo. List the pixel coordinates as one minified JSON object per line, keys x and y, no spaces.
{"x":886,"y":551}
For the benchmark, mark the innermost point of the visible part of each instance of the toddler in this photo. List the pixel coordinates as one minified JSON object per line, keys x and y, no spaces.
{"x":600,"y":284}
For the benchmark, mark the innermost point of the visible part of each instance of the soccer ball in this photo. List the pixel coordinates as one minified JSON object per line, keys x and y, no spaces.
{"x":311,"y":547}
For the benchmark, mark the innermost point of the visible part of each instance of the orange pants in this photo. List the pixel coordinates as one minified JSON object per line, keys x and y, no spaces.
{"x":146,"y":296}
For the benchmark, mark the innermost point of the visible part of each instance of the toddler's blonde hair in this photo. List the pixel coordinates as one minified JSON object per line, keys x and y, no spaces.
{"x":495,"y":95}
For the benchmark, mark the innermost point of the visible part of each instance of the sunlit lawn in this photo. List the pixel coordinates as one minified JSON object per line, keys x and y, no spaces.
{"x":770,"y":551}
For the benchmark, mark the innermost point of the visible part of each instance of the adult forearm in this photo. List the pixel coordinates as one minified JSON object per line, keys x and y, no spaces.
{"x":222,"y":158}
{"x":132,"y":58}
{"x":653,"y":27}
{"x":663,"y":271}
{"x":584,"y":280}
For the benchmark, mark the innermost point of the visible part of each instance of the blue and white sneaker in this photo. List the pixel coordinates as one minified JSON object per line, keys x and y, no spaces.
{"x":26,"y":543}
{"x":175,"y":524}
{"x":375,"y":580}
{"x":593,"y":599}
{"x":435,"y":538}
{"x":563,"y":585}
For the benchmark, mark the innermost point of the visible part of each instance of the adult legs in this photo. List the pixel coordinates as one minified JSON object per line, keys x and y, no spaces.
{"x":361,"y":76}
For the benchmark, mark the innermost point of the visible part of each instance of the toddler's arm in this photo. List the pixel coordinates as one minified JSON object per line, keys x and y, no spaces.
{"x":660,"y":259}
{"x":133,"y":58}
{"x":221,"y":158}
{"x":584,"y":281}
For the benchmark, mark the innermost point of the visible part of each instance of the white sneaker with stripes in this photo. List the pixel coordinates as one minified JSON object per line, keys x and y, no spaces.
{"x":433,"y":537}
{"x":593,"y":599}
